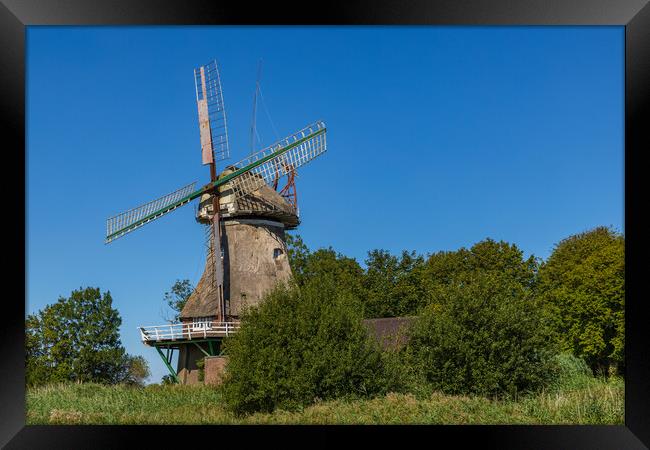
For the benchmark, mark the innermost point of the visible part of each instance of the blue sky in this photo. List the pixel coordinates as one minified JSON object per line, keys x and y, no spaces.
{"x":438,"y":137}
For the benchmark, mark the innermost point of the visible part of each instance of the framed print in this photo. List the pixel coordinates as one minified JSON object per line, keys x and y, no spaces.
{"x":330,"y":138}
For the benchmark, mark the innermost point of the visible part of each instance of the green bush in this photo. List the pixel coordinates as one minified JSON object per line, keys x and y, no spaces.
{"x":571,"y":373}
{"x":200,"y":365}
{"x":483,"y":334}
{"x":302,"y":344}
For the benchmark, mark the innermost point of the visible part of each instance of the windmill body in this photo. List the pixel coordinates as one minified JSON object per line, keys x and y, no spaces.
{"x":245,"y":209}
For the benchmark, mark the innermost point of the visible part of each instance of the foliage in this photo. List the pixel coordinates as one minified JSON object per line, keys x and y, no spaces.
{"x":135,"y":370}
{"x":297,"y":252}
{"x":345,"y":272}
{"x":394,"y":286}
{"x":300,"y":345}
{"x":583,"y":283}
{"x":167,"y":380}
{"x":570,"y":373}
{"x":488,"y":256}
{"x":177,"y":297}
{"x":484,"y":334}
{"x":308,"y":266}
{"x":75,"y":339}
{"x":200,"y":365}
{"x":37,"y":368}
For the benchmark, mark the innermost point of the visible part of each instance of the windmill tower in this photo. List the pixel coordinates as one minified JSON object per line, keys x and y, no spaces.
{"x":246,"y":209}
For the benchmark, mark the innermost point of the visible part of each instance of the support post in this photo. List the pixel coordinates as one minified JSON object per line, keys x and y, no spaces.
{"x":167,"y":363}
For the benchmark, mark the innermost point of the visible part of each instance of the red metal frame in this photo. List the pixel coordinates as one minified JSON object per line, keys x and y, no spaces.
{"x":289,"y":190}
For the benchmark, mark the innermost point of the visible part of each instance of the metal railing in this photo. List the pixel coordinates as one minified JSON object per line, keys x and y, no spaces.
{"x":187,"y":331}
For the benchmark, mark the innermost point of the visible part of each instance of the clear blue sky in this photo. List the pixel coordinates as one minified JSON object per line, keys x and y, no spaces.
{"x":438,"y":137}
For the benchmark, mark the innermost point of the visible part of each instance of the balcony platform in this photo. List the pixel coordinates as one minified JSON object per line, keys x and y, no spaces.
{"x":186,"y":332}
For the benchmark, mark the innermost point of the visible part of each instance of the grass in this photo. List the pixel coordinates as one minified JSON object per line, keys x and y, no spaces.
{"x":580,"y":400}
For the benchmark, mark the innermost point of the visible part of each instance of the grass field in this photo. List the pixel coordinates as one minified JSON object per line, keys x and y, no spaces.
{"x":590,"y":401}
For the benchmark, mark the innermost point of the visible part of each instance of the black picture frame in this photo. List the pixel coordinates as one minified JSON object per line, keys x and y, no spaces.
{"x":634,"y":15}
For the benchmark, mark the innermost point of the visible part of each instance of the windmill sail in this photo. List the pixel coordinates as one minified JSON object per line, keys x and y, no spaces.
{"x":249,"y":175}
{"x":212,"y":113}
{"x":277,"y":160}
{"x":117,"y":226}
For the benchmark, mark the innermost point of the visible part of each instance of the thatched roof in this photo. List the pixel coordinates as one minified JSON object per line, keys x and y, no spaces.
{"x":204,"y":301}
{"x":390,"y":332}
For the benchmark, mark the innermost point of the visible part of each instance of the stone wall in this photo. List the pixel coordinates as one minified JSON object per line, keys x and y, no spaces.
{"x":188,"y":371}
{"x":214,"y":369}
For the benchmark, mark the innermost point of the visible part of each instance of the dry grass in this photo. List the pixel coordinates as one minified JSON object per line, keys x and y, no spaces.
{"x":594,"y":402}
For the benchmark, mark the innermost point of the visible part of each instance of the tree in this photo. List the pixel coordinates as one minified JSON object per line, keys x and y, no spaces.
{"x":583,"y":284}
{"x":177,"y":297}
{"x":487,"y":255}
{"x":307,"y":266}
{"x":483,"y":333}
{"x":345,"y":272}
{"x":36,"y":365}
{"x":135,"y":370}
{"x":75,"y":339}
{"x":298,"y":253}
{"x":300,"y":345}
{"x":394,"y":286}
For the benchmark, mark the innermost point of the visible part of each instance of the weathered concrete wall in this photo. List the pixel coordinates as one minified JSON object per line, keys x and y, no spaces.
{"x":256,"y":261}
{"x":215,"y":367}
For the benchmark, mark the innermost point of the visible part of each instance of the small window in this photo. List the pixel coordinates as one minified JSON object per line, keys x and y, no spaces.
{"x":277,"y":252}
{"x":201,"y":323}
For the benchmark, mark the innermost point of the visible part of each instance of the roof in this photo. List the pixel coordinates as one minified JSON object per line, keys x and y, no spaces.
{"x":390,"y":332}
{"x":203,"y":301}
{"x":263,"y":202}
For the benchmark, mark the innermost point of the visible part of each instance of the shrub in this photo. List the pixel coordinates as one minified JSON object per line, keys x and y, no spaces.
{"x":571,"y":373}
{"x":200,"y":365}
{"x":300,"y":345}
{"x":484,"y":334}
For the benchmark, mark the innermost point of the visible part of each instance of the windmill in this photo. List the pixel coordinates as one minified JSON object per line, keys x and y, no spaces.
{"x":246,"y":208}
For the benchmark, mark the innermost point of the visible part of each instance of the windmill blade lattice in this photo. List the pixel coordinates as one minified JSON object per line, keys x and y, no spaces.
{"x":277,"y":160}
{"x":117,"y":226}
{"x":210,"y":96}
